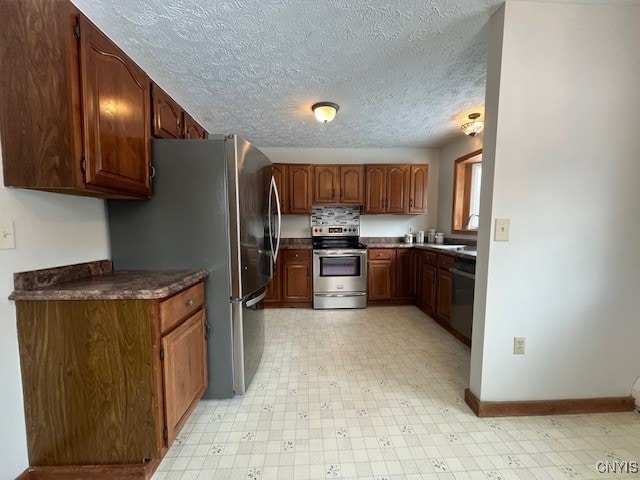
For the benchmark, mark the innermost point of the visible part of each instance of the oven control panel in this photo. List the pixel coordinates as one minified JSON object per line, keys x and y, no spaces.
{"x":333,"y":230}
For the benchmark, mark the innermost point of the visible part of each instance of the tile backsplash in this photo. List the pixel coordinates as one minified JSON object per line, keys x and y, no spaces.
{"x":321,"y":215}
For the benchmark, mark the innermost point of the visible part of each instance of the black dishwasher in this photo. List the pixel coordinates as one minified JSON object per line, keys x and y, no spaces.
{"x":464,"y":279}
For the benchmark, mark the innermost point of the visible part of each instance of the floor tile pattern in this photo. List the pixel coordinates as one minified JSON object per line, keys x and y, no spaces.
{"x":378,"y":394}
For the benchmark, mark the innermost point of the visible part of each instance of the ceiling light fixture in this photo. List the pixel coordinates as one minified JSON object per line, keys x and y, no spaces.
{"x":473,"y":127}
{"x":325,"y":111}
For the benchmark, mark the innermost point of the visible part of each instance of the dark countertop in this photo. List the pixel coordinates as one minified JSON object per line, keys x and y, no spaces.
{"x":98,"y":281}
{"x":385,"y":242}
{"x":295,"y":243}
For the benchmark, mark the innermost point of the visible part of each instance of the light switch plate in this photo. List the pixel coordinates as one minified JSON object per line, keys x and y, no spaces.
{"x":502,"y":230}
{"x":7,"y":235}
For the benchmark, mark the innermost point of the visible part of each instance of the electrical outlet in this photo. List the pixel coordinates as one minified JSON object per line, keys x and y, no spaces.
{"x":518,"y":345}
{"x":7,"y":235}
{"x":502,"y":230}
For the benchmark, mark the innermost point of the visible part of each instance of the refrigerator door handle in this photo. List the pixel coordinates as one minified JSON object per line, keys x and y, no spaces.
{"x":270,"y":218}
{"x":275,"y":189}
{"x":256,"y":300}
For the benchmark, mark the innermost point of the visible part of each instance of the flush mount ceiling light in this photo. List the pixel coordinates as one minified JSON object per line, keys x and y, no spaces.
{"x":325,"y":111}
{"x":473,"y":127}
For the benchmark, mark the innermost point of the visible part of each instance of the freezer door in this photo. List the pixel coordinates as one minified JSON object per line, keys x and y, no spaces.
{"x":249,"y":171}
{"x":248,"y":338}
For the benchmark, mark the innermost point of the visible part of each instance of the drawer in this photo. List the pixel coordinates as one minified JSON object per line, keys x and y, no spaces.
{"x":296,"y":255}
{"x":445,"y":261}
{"x":381,"y":253}
{"x":180,"y":306}
{"x":430,"y":257}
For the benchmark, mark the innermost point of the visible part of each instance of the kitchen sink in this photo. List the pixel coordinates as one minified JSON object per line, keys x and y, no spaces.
{"x":448,"y":247}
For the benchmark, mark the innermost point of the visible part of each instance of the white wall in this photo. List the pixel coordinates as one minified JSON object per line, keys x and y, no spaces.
{"x":561,"y":152}
{"x":50,"y":230}
{"x":297,"y":226}
{"x":449,"y":153}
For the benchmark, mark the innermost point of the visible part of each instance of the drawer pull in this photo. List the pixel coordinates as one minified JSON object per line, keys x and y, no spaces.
{"x":189,"y":302}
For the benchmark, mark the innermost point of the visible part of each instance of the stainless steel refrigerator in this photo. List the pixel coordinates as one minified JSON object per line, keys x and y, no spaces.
{"x":215,"y":205}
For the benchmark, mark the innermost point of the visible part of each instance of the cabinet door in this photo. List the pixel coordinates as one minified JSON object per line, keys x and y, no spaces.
{"x":167,"y":115}
{"x":299,"y":188}
{"x":325,"y":184}
{"x":375,"y":189}
{"x":445,"y":286}
{"x":397,"y":189}
{"x":404,"y":281}
{"x":184,"y":369}
{"x":280,"y":176}
{"x":192,"y":129}
{"x":352,"y":185}
{"x":380,"y":279}
{"x":274,"y":288}
{"x":428,"y":287}
{"x":418,"y":175}
{"x":116,"y":115}
{"x":296,"y":276}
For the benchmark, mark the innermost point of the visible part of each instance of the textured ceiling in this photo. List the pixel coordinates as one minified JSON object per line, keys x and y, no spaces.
{"x":404,"y":72}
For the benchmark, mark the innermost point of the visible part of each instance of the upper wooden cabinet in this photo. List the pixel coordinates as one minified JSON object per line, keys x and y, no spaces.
{"x":393,"y":189}
{"x":397,"y":188}
{"x":326,"y":184}
{"x":280,"y":177}
{"x":352,"y":184}
{"x":299,"y":185}
{"x":75,"y":110}
{"x":170,"y":120}
{"x":192,"y":129}
{"x":376,"y":189}
{"x":418,"y":178}
{"x":338,"y":184}
{"x":116,"y":108}
{"x":167,"y":115}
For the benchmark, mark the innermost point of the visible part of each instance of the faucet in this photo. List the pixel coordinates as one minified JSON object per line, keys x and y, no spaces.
{"x":469,"y":219}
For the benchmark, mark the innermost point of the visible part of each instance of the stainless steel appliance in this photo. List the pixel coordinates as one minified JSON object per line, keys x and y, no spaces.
{"x":339,"y":267}
{"x":464,"y":280}
{"x":215,"y":205}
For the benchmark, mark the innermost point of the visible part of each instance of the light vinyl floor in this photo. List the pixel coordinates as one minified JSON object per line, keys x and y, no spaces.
{"x":378,"y":394}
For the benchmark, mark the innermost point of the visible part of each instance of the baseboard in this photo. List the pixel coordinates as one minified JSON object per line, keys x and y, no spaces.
{"x":91,"y":472}
{"x":548,"y":407}
{"x":288,"y":305}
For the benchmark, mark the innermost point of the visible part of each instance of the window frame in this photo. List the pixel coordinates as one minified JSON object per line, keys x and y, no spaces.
{"x":462,"y":174}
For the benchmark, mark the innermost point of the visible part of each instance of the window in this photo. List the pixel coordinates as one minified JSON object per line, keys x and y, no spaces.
{"x":466,"y":193}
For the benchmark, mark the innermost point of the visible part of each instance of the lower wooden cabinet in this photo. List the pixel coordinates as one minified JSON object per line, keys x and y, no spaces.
{"x":291,"y":285}
{"x":405,"y":274}
{"x":381,"y":263}
{"x":428,"y":287}
{"x":274,"y":289}
{"x":184,"y":369}
{"x":103,"y":383}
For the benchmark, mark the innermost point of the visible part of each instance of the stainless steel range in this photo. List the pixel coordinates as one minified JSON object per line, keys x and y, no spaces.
{"x":339,"y":267}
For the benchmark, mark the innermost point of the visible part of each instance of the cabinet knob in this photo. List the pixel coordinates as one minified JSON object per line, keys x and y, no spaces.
{"x":189,"y":302}
{"x":297,"y":255}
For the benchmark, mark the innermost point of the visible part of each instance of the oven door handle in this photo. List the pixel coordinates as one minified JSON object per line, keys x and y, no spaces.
{"x":334,"y":255}
{"x":340,"y":295}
